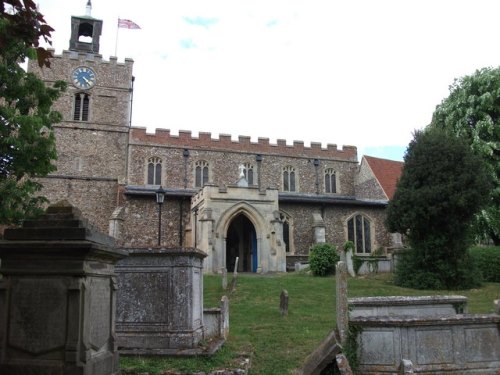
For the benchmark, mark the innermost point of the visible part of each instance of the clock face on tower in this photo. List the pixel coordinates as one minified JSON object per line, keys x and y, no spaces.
{"x":83,"y":77}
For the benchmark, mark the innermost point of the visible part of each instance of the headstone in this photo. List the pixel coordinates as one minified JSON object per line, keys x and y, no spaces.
{"x":349,"y":262}
{"x":497,"y":306}
{"x":232,"y":287}
{"x":284,"y":302}
{"x":341,"y":301}
{"x":235,"y":272}
{"x":224,"y":279}
{"x":224,"y":308}
{"x":57,"y":297}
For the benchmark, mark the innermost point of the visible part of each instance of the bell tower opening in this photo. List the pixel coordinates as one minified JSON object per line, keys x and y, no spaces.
{"x":241,"y":241}
{"x":85,"y":32}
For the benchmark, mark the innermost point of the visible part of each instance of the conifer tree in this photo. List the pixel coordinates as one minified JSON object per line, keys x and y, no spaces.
{"x":442,"y":186}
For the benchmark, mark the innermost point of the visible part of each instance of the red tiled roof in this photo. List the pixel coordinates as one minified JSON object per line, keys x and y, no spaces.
{"x":387,"y":173}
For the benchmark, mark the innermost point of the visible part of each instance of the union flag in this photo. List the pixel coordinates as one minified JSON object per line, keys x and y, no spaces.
{"x":127,"y":24}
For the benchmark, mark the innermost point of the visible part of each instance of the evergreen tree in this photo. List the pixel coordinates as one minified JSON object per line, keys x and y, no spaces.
{"x":27,"y":144}
{"x":472,"y":112}
{"x":442,"y":186}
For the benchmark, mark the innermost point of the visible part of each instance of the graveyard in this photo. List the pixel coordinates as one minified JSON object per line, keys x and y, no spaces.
{"x":73,"y":302}
{"x":275,"y":344}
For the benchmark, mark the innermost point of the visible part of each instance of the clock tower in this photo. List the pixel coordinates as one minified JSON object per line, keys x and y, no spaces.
{"x":92,"y":139}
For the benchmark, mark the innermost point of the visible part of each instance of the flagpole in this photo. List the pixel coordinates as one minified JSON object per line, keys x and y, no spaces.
{"x":116,"y":40}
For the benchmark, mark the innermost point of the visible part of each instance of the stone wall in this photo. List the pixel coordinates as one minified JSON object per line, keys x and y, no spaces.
{"x":96,"y":197}
{"x":223,"y":166}
{"x":141,"y":225}
{"x":335,"y":219}
{"x":366,"y":184}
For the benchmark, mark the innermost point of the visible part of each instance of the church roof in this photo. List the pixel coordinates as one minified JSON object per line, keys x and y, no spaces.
{"x":387,"y":172}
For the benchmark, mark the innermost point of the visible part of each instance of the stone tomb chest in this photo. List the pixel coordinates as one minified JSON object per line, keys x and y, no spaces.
{"x":57,"y":297}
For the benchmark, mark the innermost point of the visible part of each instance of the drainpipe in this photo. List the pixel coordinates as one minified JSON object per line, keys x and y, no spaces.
{"x":185,"y":154}
{"x":195,"y":210}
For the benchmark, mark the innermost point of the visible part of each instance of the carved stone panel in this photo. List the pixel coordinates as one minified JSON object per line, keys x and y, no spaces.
{"x":100,"y":312}
{"x":38,"y":315}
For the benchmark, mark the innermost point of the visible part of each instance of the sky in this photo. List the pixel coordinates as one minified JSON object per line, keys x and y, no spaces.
{"x":365,"y":73}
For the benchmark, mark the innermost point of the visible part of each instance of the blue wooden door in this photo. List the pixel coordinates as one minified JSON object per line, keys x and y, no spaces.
{"x":254,"y":251}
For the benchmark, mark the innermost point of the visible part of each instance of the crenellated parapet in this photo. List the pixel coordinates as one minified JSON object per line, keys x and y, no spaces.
{"x":162,"y":137}
{"x":88,"y":57}
{"x":110,"y":73}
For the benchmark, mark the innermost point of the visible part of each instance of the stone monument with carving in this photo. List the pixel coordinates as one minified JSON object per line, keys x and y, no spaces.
{"x":57,"y":297}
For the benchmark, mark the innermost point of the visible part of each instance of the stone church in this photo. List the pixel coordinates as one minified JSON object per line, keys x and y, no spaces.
{"x":264,"y":203}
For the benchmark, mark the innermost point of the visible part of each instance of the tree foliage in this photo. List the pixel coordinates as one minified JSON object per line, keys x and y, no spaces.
{"x":27,"y":144}
{"x":442,"y":186}
{"x":472,"y":112}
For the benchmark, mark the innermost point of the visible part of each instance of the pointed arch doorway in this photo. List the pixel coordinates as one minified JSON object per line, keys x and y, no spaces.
{"x":241,"y":241}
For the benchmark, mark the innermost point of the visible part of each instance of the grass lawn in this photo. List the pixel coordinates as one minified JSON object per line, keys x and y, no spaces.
{"x":276,"y":345}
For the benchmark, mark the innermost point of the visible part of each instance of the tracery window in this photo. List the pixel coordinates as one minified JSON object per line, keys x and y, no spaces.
{"x":330,"y":181}
{"x":359,"y":232}
{"x":201,"y":173}
{"x":81,"y":107}
{"x":289,"y":178}
{"x":154,"y":171}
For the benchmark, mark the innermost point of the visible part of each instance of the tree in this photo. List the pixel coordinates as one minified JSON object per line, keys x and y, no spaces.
{"x":442,"y":186}
{"x":472,"y":112}
{"x":27,"y":144}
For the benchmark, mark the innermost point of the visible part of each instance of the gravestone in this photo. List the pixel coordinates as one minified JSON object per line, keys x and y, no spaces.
{"x":224,"y":279}
{"x":57,"y":297}
{"x":341,"y":301}
{"x":284,"y":303}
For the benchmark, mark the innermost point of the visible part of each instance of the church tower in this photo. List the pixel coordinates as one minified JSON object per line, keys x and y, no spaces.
{"x":92,"y":139}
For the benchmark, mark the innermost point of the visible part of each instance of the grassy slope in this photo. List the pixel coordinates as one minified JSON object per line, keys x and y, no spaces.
{"x":279,"y":344}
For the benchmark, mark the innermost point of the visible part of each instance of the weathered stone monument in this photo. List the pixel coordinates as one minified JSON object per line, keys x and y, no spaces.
{"x":341,"y":300}
{"x":57,"y":297}
{"x":160,"y":304}
{"x":284,"y":302}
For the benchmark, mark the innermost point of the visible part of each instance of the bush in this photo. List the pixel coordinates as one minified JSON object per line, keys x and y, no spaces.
{"x":322,"y":259}
{"x":487,"y":260}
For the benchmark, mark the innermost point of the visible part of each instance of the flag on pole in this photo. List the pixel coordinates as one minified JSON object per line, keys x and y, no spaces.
{"x":127,"y":24}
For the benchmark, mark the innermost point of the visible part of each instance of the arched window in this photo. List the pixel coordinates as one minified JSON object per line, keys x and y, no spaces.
{"x":249,"y":173}
{"x":154,"y":171}
{"x":359,"y":232}
{"x":289,"y":178}
{"x":81,"y":107}
{"x":330,"y":181}
{"x":201,"y":173}
{"x":287,"y":232}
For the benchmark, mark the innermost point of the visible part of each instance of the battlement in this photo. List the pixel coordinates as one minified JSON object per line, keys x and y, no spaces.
{"x":85,"y":57}
{"x":162,"y":137}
